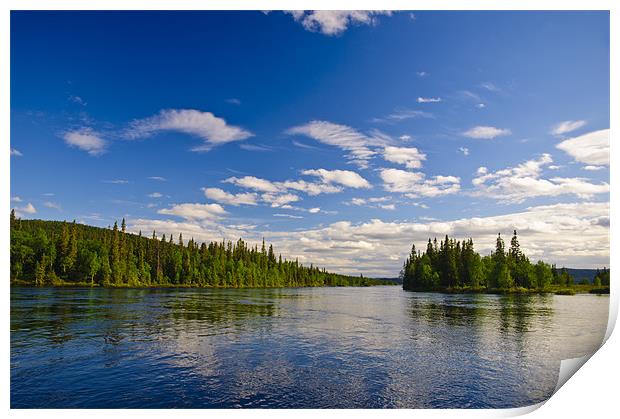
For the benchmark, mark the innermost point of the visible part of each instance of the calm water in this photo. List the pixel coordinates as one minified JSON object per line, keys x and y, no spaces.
{"x":315,"y":347}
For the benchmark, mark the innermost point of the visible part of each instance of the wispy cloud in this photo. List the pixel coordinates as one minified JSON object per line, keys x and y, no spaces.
{"x":116,"y":181}
{"x":15,"y":152}
{"x":155,"y":195}
{"x":359,"y":146}
{"x":464,"y":150}
{"x":78,"y":100}
{"x":429,"y":99}
{"x":204,"y":125}
{"x":86,"y":139}
{"x":288,"y":216}
{"x":53,"y":205}
{"x":234,"y":101}
{"x":158,"y":178}
{"x":402,"y":114}
{"x":591,"y":148}
{"x":565,"y":127}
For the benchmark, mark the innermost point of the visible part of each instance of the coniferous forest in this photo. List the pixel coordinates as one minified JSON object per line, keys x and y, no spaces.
{"x":61,"y":253}
{"x":452,"y":265}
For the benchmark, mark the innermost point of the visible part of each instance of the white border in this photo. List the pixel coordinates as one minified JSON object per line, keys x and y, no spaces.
{"x":592,"y":393}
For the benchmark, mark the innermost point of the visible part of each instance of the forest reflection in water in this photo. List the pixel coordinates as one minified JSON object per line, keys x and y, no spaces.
{"x":311,"y":347}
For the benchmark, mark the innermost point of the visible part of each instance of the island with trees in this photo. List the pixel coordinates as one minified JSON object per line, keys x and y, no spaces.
{"x":55,"y":253}
{"x":454,"y":266}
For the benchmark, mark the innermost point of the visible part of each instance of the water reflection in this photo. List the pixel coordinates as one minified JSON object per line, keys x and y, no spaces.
{"x":344,"y":347}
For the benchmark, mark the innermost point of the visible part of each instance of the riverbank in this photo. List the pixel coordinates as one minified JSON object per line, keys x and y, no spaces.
{"x":553,"y":289}
{"x":66,"y":284}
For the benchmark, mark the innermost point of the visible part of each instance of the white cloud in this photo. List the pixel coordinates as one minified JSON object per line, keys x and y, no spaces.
{"x":516,"y":184}
{"x":87,"y":140}
{"x":234,"y":101}
{"x":357,"y":145}
{"x":78,"y":100}
{"x":196,"y":212}
{"x":16,"y":199}
{"x":486,"y":132}
{"x":405,"y":138}
{"x":309,"y":187}
{"x":281,"y":200}
{"x":411,"y":157}
{"x":155,"y":195}
{"x":591,"y":148}
{"x":464,"y":150}
{"x":390,"y":207}
{"x":52,"y":205}
{"x":314,"y":210}
{"x":574,"y":235}
{"x":224,"y":197}
{"x":490,"y":86}
{"x":254,"y":183}
{"x":335,"y":22}
{"x":255,"y":147}
{"x":26,"y":209}
{"x":429,"y":99}
{"x":340,"y":177}
{"x":15,"y":152}
{"x":158,"y":178}
{"x":288,"y":216}
{"x":403,"y":114}
{"x":358,"y":201}
{"x":422,"y":74}
{"x":481,"y":105}
{"x":117,"y":181}
{"x":565,"y":127}
{"x":593,"y":168}
{"x":415,"y":184}
{"x":204,"y":125}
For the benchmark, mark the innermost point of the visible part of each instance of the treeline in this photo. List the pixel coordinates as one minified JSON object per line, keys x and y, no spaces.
{"x":55,"y":253}
{"x":452,"y":264}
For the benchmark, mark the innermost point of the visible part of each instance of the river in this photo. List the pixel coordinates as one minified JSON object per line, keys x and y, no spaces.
{"x":374,"y":347}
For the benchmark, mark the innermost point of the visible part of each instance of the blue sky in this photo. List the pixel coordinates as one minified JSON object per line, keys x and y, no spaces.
{"x":339,"y":137}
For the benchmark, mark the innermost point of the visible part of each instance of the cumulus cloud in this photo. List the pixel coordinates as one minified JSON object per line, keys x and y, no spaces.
{"x":565,"y":127}
{"x":314,"y":210}
{"x":204,"y":125}
{"x":591,"y":148}
{"x":195,"y":212}
{"x":429,"y":99}
{"x":15,"y":152}
{"x":281,"y":200}
{"x":87,"y":140}
{"x":411,"y":157}
{"x":516,"y":184}
{"x":26,"y":209}
{"x":415,"y":184}
{"x":359,"y":147}
{"x":486,"y":132}
{"x":568,"y":234}
{"x":224,"y":197}
{"x":254,"y":183}
{"x":340,"y":177}
{"x":335,"y":22}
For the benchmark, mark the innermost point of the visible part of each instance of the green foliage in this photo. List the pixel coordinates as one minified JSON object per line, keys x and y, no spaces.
{"x":455,"y":266}
{"x":52,"y":252}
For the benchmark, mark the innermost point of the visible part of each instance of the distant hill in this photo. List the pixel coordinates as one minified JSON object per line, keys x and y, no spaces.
{"x":580,"y":274}
{"x":396,"y":280}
